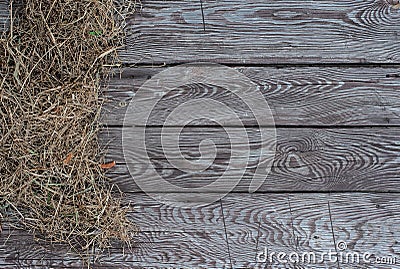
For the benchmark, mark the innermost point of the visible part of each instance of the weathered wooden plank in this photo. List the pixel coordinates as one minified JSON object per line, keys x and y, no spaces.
{"x":4,"y":15}
{"x":194,"y":250}
{"x":164,"y":248}
{"x":367,"y":223}
{"x":257,"y":31}
{"x":268,"y":220}
{"x":304,"y":223}
{"x":307,"y":159}
{"x":297,"y":96}
{"x":169,"y":237}
{"x":195,"y":238}
{"x":20,"y":250}
{"x":297,"y":223}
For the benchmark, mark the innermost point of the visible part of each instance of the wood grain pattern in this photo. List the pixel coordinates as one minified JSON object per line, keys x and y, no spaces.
{"x":302,"y":223}
{"x":338,"y":131}
{"x":279,"y":223}
{"x":169,"y":237}
{"x":158,"y":248}
{"x":307,"y":159}
{"x":310,"y":96}
{"x":260,"y":32}
{"x":195,"y":238}
{"x":368,"y":223}
{"x":4,"y":14}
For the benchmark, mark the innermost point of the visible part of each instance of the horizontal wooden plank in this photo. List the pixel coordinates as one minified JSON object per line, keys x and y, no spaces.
{"x":4,"y":15}
{"x":306,"y":159}
{"x":304,"y":223}
{"x":288,"y":223}
{"x":311,"y":96}
{"x":367,"y":223}
{"x":169,"y":237}
{"x":196,"y":237}
{"x":165,"y":249}
{"x":263,"y":32}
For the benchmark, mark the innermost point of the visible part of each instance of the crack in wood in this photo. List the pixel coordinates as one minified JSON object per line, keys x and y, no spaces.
{"x":202,"y":15}
{"x":226,"y":234}
{"x":333,"y":232}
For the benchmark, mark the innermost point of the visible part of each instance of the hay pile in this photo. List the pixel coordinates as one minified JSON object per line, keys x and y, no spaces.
{"x":51,"y":65}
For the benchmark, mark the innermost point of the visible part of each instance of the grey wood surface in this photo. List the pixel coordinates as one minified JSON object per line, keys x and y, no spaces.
{"x":247,"y":223}
{"x":169,"y":237}
{"x":307,"y":159}
{"x":338,"y":119}
{"x":368,"y":223}
{"x":264,"y":32}
{"x":4,"y":15}
{"x":310,"y":96}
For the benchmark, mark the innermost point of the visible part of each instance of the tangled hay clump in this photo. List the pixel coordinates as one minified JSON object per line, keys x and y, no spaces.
{"x":52,"y":61}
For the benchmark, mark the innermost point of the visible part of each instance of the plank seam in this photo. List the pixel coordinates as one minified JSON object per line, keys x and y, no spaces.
{"x":284,"y":192}
{"x":226,"y":234}
{"x":333,"y":232}
{"x":277,"y":65}
{"x":202,"y":15}
{"x":260,"y":126}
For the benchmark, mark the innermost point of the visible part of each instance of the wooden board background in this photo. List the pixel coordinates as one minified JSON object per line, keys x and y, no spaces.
{"x":3,"y":15}
{"x":330,"y":73}
{"x":297,"y":96}
{"x":307,"y":159}
{"x":193,"y":238}
{"x":264,"y":32}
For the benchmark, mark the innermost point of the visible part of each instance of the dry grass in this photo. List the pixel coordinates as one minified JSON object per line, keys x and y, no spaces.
{"x":51,"y":65}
